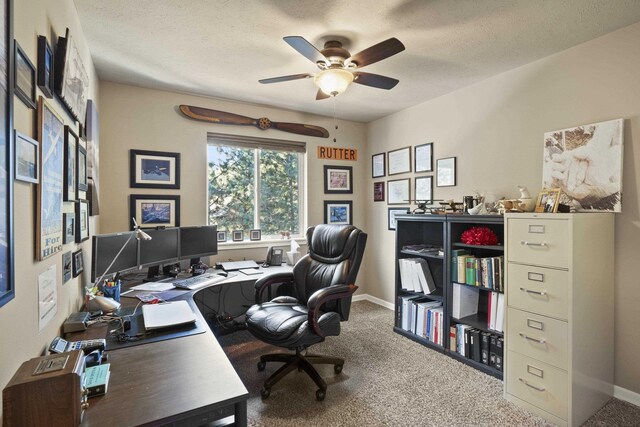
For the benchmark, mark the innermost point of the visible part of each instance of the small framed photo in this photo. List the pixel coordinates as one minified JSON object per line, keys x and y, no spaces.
{"x":25,"y":76}
{"x":238,"y":235}
{"x":154,"y":169}
{"x":66,"y":267}
{"x":45,"y":67}
{"x":446,"y":174}
{"x":222,"y":236}
{"x":378,"y":191}
{"x":399,"y":161}
{"x":255,"y":235}
{"x":71,"y":143}
{"x":392,"y":222}
{"x":82,"y":221}
{"x":548,"y":200}
{"x":378,"y":165}
{"x":78,"y":263}
{"x":423,"y":155}
{"x":27,"y":154}
{"x":152,"y":210}
{"x":337,"y":212}
{"x":424,"y":189}
{"x":69,"y":222}
{"x":398,"y":192}
{"x":338,"y":180}
{"x":81,"y":169}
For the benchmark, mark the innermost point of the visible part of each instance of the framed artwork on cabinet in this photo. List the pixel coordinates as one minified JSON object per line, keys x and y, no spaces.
{"x":392,"y":216}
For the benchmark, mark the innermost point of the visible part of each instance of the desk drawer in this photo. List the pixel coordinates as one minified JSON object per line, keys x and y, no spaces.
{"x":538,"y":241}
{"x":539,"y":290}
{"x":539,"y":384}
{"x":539,"y":337}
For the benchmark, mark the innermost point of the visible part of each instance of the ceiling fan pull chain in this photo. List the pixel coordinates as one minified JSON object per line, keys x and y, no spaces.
{"x":335,"y":119}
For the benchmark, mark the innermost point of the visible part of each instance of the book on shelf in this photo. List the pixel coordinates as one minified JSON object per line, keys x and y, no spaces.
{"x":424,"y":276}
{"x":461,"y":339}
{"x":424,"y":317}
{"x":452,"y":337}
{"x":485,"y":339}
{"x":492,"y":350}
{"x":467,"y":342}
{"x":499,"y":353}
{"x":462,"y":268}
{"x":415,"y":275}
{"x":474,"y":336}
{"x":464,"y":301}
{"x":454,"y":262}
{"x":470,"y":272}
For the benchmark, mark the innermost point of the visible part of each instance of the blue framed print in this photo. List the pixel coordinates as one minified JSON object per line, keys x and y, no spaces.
{"x":338,"y":212}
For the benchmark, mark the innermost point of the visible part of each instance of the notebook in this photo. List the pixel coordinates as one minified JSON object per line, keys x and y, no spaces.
{"x":164,"y":315}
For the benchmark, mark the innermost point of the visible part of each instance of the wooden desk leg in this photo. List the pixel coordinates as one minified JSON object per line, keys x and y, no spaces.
{"x":241,"y":414}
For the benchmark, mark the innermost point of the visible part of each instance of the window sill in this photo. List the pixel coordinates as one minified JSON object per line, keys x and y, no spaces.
{"x":251,"y":244}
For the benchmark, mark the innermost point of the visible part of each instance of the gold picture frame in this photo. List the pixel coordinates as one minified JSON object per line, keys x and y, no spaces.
{"x":548,"y":200}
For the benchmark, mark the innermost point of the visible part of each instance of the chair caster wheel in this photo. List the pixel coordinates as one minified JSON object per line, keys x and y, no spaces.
{"x":320,"y":394}
{"x":265,"y":392}
{"x":337,"y":368}
{"x":261,"y":366}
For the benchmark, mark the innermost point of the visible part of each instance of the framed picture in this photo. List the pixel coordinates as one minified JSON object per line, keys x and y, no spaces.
{"x":378,"y":191}
{"x":82,"y":221}
{"x":71,"y":78}
{"x":398,"y":191}
{"x":378,"y":165}
{"x":7,"y":288}
{"x":392,"y":222}
{"x":446,"y":174}
{"x":238,"y":235}
{"x":45,"y":68}
{"x":69,"y":220}
{"x":222,"y":236}
{"x":81,"y":169}
{"x":424,"y":189}
{"x":25,"y":72}
{"x":548,"y":200}
{"x":152,"y":210}
{"x":337,"y":211}
{"x":27,"y":155}
{"x":67,"y":264}
{"x":338,"y":179}
{"x":78,"y":263}
{"x":93,"y":157}
{"x":154,"y":169}
{"x":71,"y":143}
{"x":255,"y":235}
{"x":399,"y":161}
{"x":423,"y":155}
{"x":49,"y":210}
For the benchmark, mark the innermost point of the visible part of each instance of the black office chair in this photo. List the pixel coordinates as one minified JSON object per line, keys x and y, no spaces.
{"x":322,"y":284}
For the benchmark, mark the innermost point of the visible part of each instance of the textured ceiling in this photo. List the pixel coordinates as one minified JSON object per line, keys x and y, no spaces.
{"x":221,"y":48}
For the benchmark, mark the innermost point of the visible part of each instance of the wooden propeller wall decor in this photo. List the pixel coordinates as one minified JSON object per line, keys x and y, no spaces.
{"x":263,"y":123}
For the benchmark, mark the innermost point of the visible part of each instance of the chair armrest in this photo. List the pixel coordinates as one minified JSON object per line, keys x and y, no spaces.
{"x":321,"y":296}
{"x":269,"y":280}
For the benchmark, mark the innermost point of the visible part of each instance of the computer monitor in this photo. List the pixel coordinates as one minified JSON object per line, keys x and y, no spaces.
{"x":198,"y":241}
{"x":163,"y":248}
{"x":105,"y":247}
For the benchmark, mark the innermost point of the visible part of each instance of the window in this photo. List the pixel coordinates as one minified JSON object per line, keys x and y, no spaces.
{"x":255,"y":183}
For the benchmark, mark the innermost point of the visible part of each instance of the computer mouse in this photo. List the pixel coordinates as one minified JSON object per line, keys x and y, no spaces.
{"x":223,"y":273}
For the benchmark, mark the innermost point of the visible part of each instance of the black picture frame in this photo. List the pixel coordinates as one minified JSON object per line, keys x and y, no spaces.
{"x":391,"y":212}
{"x":446,"y":172}
{"x":71,"y":82}
{"x":25,"y":77}
{"x":378,"y":165}
{"x":423,"y":158}
{"x":67,"y":267}
{"x":27,"y":151}
{"x":237,"y":235}
{"x":7,"y":273}
{"x":81,"y":169}
{"x":378,"y":191}
{"x":82,"y":221}
{"x":255,"y":235}
{"x":78,"y":263}
{"x":338,"y":179}
{"x":71,"y":142}
{"x":399,"y":161}
{"x":46,"y":64}
{"x":222,"y":236}
{"x":152,"y":210}
{"x":338,"y":212}
{"x":69,"y":223}
{"x":147,"y":169}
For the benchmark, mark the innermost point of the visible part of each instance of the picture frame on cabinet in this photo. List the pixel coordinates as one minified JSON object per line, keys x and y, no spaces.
{"x":548,"y":200}
{"x":392,"y":212}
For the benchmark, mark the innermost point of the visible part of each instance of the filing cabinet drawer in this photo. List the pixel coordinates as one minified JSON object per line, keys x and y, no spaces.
{"x":539,"y":290}
{"x":539,"y":337}
{"x":538,"y":383}
{"x":537,"y":241}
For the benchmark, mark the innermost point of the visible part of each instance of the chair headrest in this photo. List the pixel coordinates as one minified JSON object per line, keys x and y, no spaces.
{"x":332,"y":243}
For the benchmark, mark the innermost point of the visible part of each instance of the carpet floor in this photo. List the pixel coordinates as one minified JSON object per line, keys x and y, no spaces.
{"x":388,"y":380}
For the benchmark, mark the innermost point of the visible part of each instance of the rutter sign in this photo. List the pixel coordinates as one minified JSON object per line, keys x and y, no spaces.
{"x":335,"y":153}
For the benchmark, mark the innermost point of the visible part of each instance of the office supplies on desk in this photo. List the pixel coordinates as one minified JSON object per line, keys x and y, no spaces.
{"x":168,"y":314}
{"x":239,"y":265}
{"x":200,"y":281}
{"x":59,"y":345}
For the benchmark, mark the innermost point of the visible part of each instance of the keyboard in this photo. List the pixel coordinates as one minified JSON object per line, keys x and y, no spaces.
{"x":197,"y":282}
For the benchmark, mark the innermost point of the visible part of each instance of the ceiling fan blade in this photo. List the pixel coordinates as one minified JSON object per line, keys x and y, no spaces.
{"x":321,"y":95}
{"x":377,"y":52}
{"x":301,"y":129}
{"x":305,"y":48}
{"x":375,"y":80}
{"x":285,"y":78}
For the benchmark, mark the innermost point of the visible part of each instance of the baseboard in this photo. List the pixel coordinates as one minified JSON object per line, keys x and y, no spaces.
{"x":626,"y":395}
{"x":380,"y":302}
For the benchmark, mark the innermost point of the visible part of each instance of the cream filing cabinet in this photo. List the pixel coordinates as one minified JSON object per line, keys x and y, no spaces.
{"x":559,"y":319}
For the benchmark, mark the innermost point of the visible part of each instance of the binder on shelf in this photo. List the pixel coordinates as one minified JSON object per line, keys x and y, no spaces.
{"x":424,"y":275}
{"x":492,"y":310}
{"x":474,"y":336}
{"x":499,"y":353}
{"x":499,"y":326}
{"x":467,"y":342}
{"x":464,"y":301}
{"x":492,"y":350}
{"x":485,"y":339}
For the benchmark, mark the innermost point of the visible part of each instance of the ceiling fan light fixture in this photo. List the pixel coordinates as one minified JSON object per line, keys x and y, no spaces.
{"x":333,"y":81}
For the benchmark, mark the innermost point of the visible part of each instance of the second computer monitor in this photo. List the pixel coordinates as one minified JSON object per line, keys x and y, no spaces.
{"x":198,"y":241}
{"x":163,"y":248}
{"x":105,"y":250}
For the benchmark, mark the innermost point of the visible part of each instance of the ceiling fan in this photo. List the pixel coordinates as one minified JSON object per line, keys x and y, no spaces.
{"x":338,"y":68}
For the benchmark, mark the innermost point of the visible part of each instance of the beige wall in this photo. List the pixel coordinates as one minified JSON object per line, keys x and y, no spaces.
{"x":495,"y":130}
{"x":20,"y":339}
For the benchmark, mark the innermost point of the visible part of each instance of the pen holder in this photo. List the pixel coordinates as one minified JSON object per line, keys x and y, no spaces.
{"x":112,"y":290}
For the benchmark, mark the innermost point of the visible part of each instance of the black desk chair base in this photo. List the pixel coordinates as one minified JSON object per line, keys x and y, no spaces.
{"x":302,"y":363}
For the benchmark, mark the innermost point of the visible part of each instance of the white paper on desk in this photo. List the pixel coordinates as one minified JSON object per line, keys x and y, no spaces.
{"x":153,"y":286}
{"x":167,"y":314}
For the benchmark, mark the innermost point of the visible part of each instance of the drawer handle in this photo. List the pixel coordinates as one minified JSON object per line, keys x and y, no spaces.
{"x":538,"y":245}
{"x":528,"y":384}
{"x":531,"y":291}
{"x":539,"y":341}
